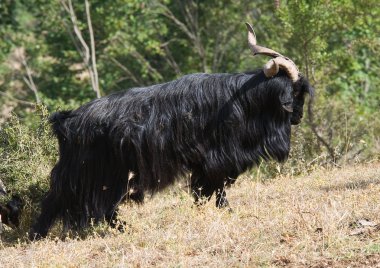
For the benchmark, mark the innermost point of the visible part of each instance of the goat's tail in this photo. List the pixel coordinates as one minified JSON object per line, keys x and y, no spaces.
{"x":57,"y":121}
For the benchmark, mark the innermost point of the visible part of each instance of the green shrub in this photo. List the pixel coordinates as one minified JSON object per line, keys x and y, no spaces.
{"x":27,"y":154}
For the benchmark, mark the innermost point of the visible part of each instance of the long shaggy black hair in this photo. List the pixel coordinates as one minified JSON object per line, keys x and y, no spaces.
{"x":214,"y":126}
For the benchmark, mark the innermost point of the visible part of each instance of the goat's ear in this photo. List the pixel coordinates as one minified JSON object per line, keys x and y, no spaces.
{"x":288,"y":107}
{"x":304,"y":86}
{"x":286,"y":100}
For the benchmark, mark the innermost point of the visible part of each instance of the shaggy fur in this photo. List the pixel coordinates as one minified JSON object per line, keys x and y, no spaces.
{"x":10,"y":213}
{"x":214,"y":126}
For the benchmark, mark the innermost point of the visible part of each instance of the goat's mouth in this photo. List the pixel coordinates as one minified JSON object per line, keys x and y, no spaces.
{"x":295,"y":121}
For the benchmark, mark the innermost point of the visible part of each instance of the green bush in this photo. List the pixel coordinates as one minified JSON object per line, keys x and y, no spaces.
{"x":27,"y":154}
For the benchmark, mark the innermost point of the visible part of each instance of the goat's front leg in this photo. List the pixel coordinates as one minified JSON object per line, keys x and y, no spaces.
{"x":112,"y":219}
{"x":201,"y":189}
{"x":221,"y":199}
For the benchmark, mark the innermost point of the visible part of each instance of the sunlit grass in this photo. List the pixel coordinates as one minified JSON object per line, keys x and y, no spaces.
{"x":295,"y":221}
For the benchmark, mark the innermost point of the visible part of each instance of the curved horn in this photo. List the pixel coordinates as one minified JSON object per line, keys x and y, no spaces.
{"x":272,"y":67}
{"x":258,"y":49}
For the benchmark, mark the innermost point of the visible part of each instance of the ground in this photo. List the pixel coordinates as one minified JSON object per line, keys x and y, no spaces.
{"x":330,"y":218}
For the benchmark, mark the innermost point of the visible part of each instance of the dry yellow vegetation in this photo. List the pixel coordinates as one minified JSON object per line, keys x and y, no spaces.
{"x":330,"y":218}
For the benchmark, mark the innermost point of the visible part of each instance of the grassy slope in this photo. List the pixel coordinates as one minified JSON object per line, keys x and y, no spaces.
{"x":302,"y":221}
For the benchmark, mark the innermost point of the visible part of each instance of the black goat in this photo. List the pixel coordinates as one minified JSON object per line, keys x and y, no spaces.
{"x":10,"y":213}
{"x":214,"y":126}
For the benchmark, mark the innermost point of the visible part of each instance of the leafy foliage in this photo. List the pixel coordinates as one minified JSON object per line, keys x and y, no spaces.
{"x":27,"y":155}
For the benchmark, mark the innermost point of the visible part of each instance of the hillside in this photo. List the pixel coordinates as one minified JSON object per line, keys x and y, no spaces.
{"x":330,"y":218}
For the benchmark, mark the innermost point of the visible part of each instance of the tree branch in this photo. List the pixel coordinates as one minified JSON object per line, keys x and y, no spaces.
{"x":16,"y":100}
{"x":127,"y":71}
{"x":144,"y":61}
{"x":93,"y":55}
{"x":28,"y":79}
{"x":311,"y":120}
{"x":86,"y":53}
{"x":313,"y":128}
{"x":170,"y":59}
{"x":191,"y":28}
{"x":84,"y":50}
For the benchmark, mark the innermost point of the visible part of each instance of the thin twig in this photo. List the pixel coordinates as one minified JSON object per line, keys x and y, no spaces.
{"x":93,"y":55}
{"x":29,"y":80}
{"x":16,"y":100}
{"x":127,"y":71}
{"x":169,"y":57}
{"x":191,"y":28}
{"x":313,"y":128}
{"x":137,"y":55}
{"x":86,"y":53}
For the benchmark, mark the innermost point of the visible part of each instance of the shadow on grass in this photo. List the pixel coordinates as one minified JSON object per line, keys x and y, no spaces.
{"x":363,"y":184}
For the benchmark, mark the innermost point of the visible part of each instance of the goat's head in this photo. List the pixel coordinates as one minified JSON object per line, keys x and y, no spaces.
{"x":11,"y":212}
{"x":292,"y":102}
{"x":300,"y":89}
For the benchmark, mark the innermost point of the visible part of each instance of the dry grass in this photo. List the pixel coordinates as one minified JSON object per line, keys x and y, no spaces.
{"x":307,"y":221}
